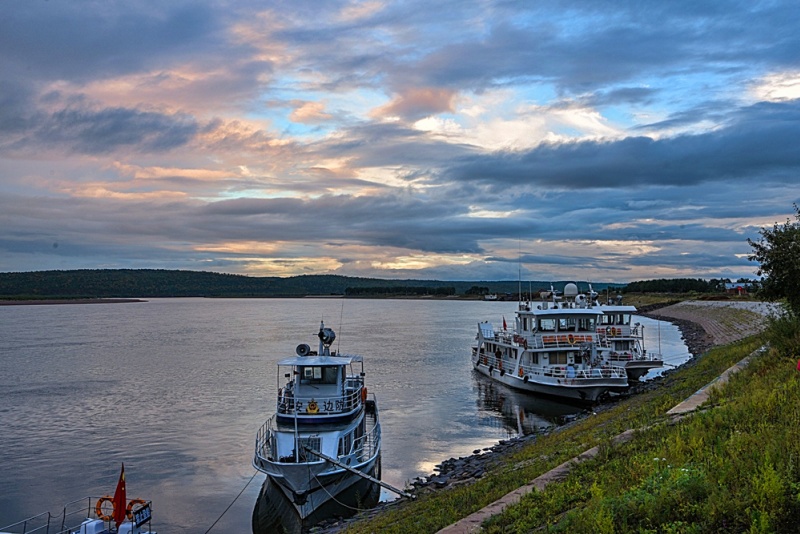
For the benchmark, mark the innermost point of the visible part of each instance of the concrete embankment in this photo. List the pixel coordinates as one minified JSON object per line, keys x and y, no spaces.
{"x":709,"y":323}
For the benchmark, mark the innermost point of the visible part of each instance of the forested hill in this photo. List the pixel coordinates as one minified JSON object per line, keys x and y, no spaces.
{"x":140,"y":283}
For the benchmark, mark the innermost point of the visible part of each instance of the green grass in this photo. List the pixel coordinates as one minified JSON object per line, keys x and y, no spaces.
{"x":732,"y":467}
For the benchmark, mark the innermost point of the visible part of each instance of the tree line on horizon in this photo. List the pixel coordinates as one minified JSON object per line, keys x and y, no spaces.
{"x":160,"y":283}
{"x":154,"y":283}
{"x":684,"y":285}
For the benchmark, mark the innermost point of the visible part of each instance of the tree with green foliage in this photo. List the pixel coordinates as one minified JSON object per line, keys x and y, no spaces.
{"x":778,"y":255}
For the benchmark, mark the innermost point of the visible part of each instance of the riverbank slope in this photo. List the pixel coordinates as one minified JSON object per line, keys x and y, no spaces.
{"x":516,"y":463}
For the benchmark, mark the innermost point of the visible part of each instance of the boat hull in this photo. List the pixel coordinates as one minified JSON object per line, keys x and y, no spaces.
{"x":320,"y":485}
{"x":584,"y":390}
{"x":637,"y":369}
{"x":274,"y":512}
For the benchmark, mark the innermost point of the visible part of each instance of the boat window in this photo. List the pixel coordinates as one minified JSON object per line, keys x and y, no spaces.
{"x":566,"y":323}
{"x":547,"y":325}
{"x":345,"y":444}
{"x":587,"y":323}
{"x":626,"y":318}
{"x":558,"y":358}
{"x":319,"y":375}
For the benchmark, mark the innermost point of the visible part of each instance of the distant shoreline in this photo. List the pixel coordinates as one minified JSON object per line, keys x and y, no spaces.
{"x":33,"y":302}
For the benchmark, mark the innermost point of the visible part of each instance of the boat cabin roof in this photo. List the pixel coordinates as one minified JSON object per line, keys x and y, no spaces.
{"x":564,"y":311}
{"x":305,"y":361}
{"x":620,"y":309}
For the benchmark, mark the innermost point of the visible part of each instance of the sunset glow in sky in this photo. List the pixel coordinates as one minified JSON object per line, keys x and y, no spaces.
{"x":604,"y":140}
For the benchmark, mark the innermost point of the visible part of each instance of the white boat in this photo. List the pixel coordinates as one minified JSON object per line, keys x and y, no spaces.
{"x":325,"y":435}
{"x":626,"y":341}
{"x":88,"y":515}
{"x":552,"y":349}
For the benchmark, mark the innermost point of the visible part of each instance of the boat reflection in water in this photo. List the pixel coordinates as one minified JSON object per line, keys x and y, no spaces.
{"x":274,"y":513}
{"x":523,"y":413}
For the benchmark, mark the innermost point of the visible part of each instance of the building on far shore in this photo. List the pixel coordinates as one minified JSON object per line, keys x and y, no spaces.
{"x":738,"y":288}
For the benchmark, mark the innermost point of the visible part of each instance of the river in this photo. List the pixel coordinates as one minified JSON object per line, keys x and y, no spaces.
{"x":177,"y":388}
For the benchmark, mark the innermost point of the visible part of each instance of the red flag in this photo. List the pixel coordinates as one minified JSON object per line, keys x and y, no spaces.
{"x":119,"y":499}
{"x":504,"y":323}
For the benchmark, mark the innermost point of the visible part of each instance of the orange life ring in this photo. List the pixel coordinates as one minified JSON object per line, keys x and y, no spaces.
{"x":312,"y":407}
{"x":129,"y":510}
{"x":363,"y":393}
{"x":521,"y":372}
{"x":571,"y":339}
{"x":98,"y":508}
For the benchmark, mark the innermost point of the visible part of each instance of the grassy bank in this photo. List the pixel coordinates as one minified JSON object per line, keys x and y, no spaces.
{"x":733,"y":467}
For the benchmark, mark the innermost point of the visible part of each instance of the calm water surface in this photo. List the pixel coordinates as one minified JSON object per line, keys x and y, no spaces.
{"x":176,"y":389}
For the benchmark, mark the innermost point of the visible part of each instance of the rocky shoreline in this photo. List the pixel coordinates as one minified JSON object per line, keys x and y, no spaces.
{"x":697,"y":340}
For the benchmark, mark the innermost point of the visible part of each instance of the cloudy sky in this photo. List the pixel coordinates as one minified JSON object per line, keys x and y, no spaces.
{"x":602,"y":140}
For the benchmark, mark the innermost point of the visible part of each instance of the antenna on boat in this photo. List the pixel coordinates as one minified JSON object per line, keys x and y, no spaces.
{"x":519,"y":272}
{"x":659,"y":339}
{"x":339,"y":343}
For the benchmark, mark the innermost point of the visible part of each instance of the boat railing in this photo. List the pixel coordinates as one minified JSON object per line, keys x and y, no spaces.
{"x":620,"y":356}
{"x":366,"y":446}
{"x":266,"y":448}
{"x":561,"y":341}
{"x":649,"y":356}
{"x":503,"y":336}
{"x":564,"y":372}
{"x":288,"y":403}
{"x":369,"y":444}
{"x":74,"y":513}
{"x":36,"y":523}
{"x":70,"y":520}
{"x":612,"y":331}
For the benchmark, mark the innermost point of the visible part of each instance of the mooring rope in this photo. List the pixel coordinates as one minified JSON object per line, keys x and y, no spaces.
{"x":231,"y":504}
{"x":334,"y":499}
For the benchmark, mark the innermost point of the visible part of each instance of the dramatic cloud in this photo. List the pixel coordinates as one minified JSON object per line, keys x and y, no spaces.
{"x":608,"y":141}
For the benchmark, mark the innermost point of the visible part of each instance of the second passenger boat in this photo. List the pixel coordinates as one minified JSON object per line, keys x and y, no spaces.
{"x":553,"y":349}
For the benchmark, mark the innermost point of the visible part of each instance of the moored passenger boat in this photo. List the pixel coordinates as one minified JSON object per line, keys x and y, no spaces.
{"x":325,"y":435}
{"x":626,"y":341}
{"x":553,"y":348}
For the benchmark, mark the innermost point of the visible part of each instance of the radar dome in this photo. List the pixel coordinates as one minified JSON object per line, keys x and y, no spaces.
{"x":570,"y":290}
